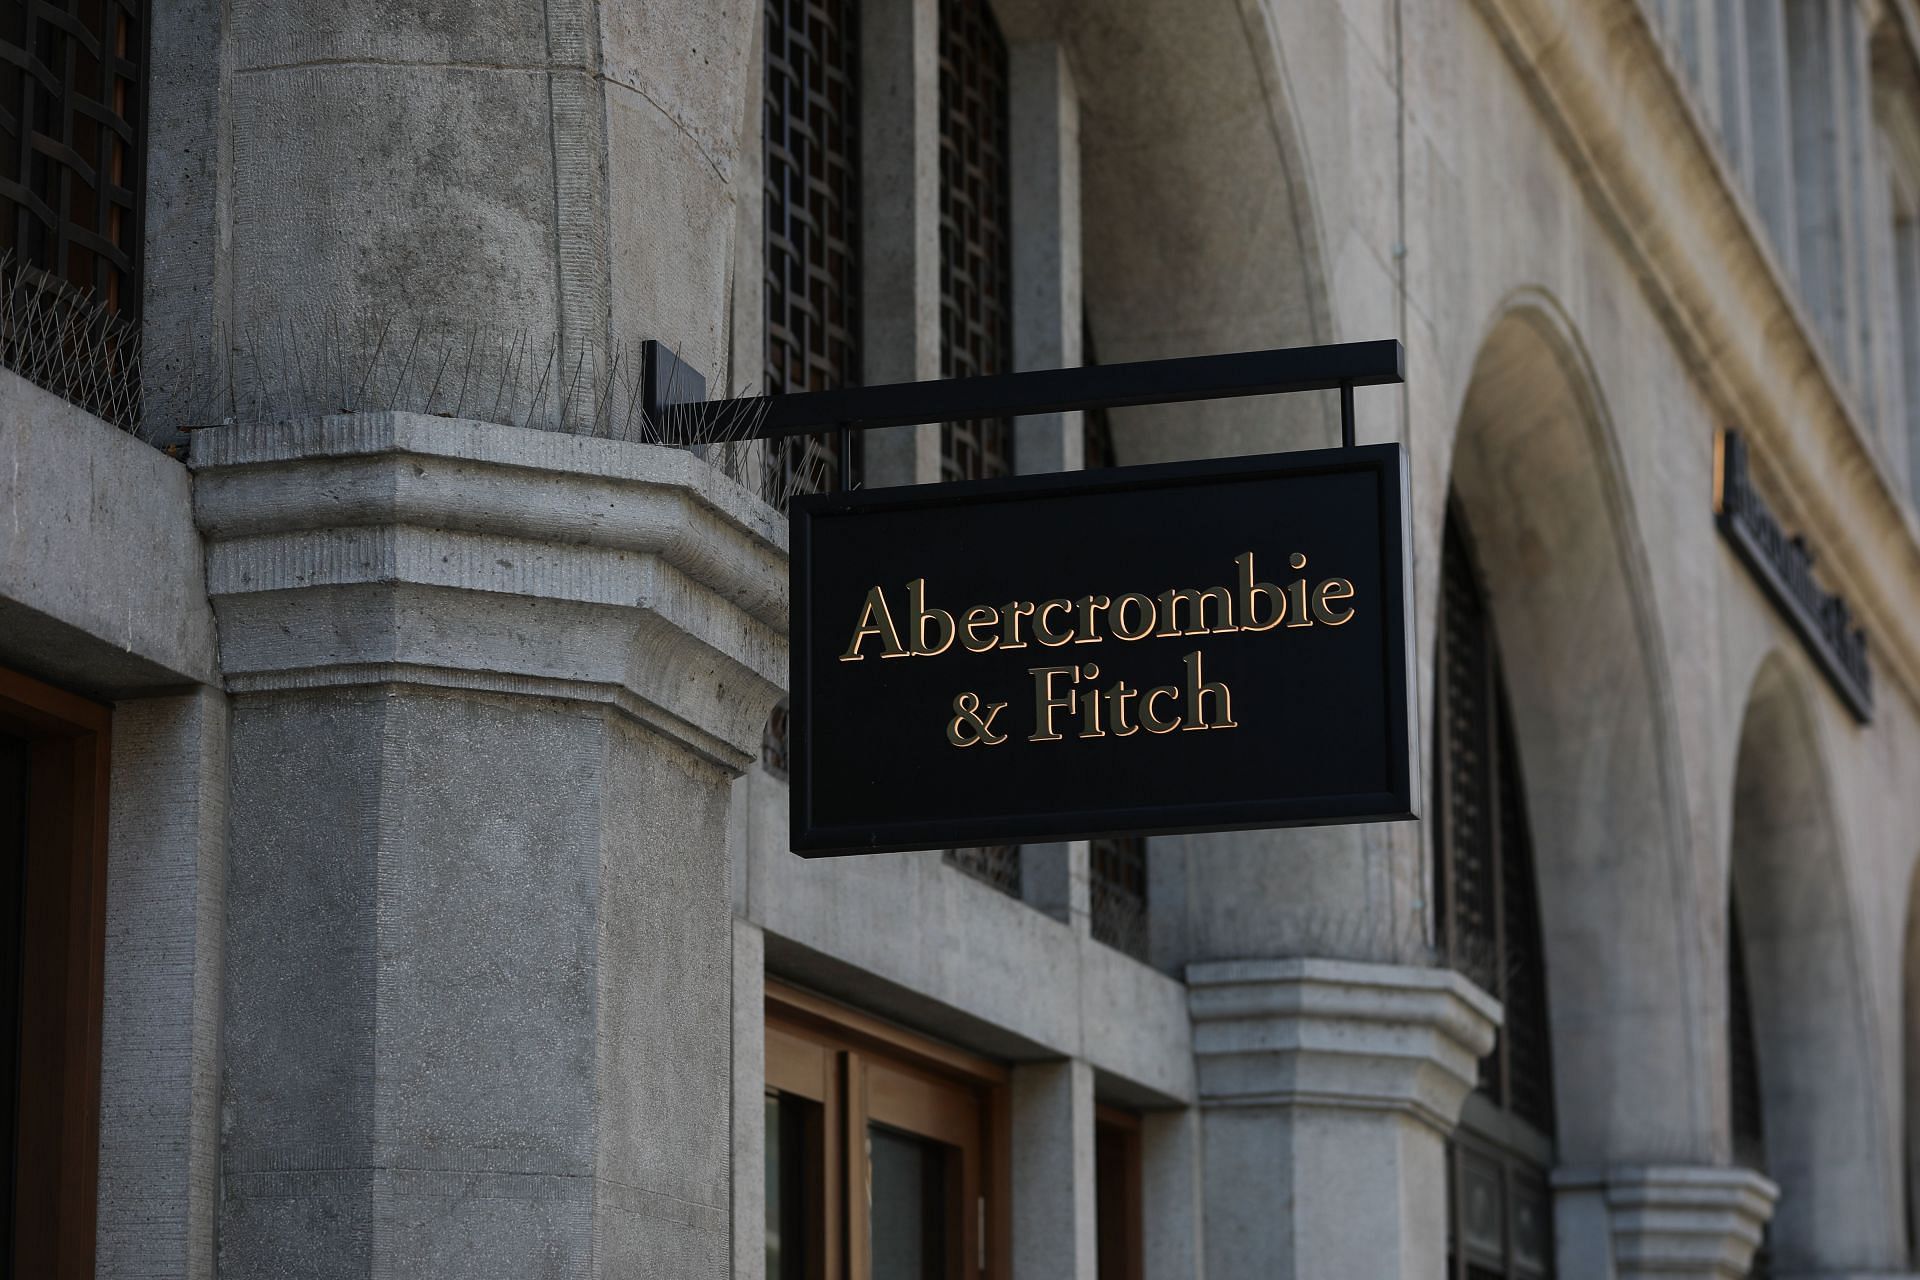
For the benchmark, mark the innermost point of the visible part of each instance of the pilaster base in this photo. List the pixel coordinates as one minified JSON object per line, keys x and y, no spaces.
{"x":1673,"y":1220}
{"x":1327,"y":1091}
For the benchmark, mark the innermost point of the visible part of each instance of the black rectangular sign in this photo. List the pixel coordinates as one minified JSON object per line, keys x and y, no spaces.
{"x":1198,"y":646}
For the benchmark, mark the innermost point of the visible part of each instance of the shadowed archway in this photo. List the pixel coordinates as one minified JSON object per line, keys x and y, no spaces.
{"x":1539,"y":489}
{"x":1824,"y":1136}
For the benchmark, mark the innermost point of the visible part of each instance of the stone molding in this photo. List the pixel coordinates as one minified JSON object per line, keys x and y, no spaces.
{"x":1645,"y":154}
{"x":1339,"y":1034}
{"x":1678,"y":1220}
{"x":400,"y":548}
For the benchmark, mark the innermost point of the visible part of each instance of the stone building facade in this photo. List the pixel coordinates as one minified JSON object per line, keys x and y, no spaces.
{"x":391,"y":742}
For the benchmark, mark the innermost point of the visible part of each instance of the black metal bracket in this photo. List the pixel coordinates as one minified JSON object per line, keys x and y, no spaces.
{"x":1281,"y":371}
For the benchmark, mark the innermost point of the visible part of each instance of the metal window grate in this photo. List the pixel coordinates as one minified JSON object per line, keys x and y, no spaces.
{"x":73,"y":131}
{"x":997,"y":865}
{"x":1487,"y":917}
{"x":1117,"y":889}
{"x":976,"y":254}
{"x":1743,"y":1069}
{"x":811,"y":137}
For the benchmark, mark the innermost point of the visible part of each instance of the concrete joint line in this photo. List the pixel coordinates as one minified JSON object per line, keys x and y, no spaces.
{"x":1327,"y":1100}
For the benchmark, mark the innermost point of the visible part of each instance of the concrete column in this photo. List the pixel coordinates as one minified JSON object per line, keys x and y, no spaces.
{"x":489,"y":687}
{"x":1047,"y":315}
{"x":1327,"y":1090}
{"x":510,"y":191}
{"x":1053,"y":1172}
{"x":1732,"y":78}
{"x":1054,"y":878}
{"x":1171,"y":1243}
{"x":1648,"y":1222}
{"x":900,"y":223}
{"x":749,"y":1097}
{"x":160,"y":1033}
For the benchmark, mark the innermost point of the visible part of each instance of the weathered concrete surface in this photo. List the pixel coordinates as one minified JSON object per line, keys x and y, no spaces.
{"x":1661,"y":1220}
{"x":479,"y":1019}
{"x":160,"y":1024}
{"x":1053,"y":1171}
{"x":1327,"y":1088}
{"x":101,"y":581}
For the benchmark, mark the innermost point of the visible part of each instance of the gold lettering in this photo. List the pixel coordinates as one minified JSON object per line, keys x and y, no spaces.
{"x":1090,"y":707}
{"x":1088,"y":604}
{"x":1120,"y":627}
{"x":1046,"y":702}
{"x":1333,"y":589}
{"x":1251,"y":592}
{"x":969,"y":728}
{"x":1297,"y":595}
{"x":1013,"y":611}
{"x":1150,"y":718}
{"x":942,"y":620}
{"x":875,"y":621}
{"x":1196,"y":601}
{"x":981,"y":615}
{"x":1117,"y":709}
{"x":1199,"y":689}
{"x":1046,"y":635}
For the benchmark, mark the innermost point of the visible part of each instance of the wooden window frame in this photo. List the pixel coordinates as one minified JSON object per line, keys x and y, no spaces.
{"x":858,"y":1069}
{"x":63,"y":950}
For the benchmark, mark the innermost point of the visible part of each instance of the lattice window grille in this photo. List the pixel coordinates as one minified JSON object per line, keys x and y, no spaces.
{"x":72,"y":126}
{"x":976,"y":252}
{"x":1487,"y":913}
{"x":811,"y":139}
{"x":996,"y":865}
{"x":1117,"y":893}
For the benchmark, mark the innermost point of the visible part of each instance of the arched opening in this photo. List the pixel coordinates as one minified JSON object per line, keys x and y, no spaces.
{"x":1827,"y":1141}
{"x":1487,"y":925}
{"x":1537,"y":486}
{"x":1182,"y":255}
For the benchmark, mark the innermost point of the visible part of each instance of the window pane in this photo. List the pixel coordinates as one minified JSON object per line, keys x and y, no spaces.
{"x":792,"y":1205}
{"x":909,"y":1206}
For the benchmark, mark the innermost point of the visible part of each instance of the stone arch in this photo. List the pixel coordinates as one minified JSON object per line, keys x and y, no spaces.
{"x":1184,"y":255}
{"x":1540,"y":488}
{"x":1828,"y":1144}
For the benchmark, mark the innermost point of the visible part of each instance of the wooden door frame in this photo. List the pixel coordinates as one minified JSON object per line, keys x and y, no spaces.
{"x":859,"y":1069}
{"x":63,"y":945}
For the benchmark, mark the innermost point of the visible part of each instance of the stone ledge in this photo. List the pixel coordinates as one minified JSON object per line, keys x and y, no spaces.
{"x":398,"y":548}
{"x":1339,"y":1034}
{"x":1679,"y":1219}
{"x":101,"y":585}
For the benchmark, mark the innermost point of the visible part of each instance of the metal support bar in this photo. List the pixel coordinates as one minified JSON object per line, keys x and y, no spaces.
{"x":845,"y":435}
{"x":1346,"y":415}
{"x":1112,"y":386}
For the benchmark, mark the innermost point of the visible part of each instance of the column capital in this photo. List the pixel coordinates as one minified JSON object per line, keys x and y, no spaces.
{"x":1678,"y":1220}
{"x":1342,"y":1034}
{"x":387,"y":548}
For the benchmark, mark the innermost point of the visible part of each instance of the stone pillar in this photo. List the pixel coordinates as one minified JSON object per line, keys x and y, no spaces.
{"x":510,"y":193}
{"x":1053,"y":1171}
{"x":900,"y":224}
{"x":1659,"y":1221}
{"x":1048,"y":320}
{"x":489,"y":686}
{"x":160,"y":1033}
{"x":1327,"y":1089}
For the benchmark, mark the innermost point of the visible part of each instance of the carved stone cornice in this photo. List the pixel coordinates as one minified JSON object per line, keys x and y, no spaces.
{"x":1612,"y":98}
{"x":403,"y":548}
{"x":1339,"y":1033}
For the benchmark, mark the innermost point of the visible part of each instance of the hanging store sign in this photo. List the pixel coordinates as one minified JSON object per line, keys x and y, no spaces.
{"x":1783,"y":565}
{"x":1190,"y":647}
